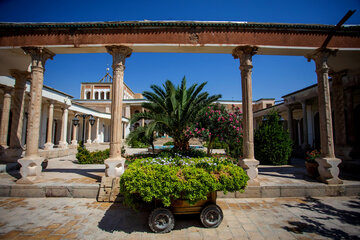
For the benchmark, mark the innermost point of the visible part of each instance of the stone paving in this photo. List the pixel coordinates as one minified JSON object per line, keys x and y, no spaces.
{"x":250,"y":218}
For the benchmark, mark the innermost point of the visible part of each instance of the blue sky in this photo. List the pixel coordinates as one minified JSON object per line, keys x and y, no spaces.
{"x":273,"y":76}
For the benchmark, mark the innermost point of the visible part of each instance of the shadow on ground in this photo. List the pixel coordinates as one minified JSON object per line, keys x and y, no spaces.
{"x":119,"y":218}
{"x":83,"y":172}
{"x":324,"y":220}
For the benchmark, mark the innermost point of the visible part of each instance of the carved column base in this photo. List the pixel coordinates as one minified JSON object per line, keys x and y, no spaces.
{"x":88,"y":141}
{"x":343,"y":152}
{"x":114,"y":167}
{"x":74,"y":142}
{"x":251,"y":168}
{"x":30,"y":169}
{"x":63,"y":145}
{"x":328,"y":170}
{"x":11,"y":155}
{"x":48,"y":146}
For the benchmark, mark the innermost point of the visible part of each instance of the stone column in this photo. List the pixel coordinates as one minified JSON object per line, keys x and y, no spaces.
{"x":5,"y":115}
{"x":142,"y":120}
{"x":88,"y":141}
{"x":305,"y":125}
{"x":350,"y":116}
{"x":31,"y":163}
{"x":17,"y":107}
{"x":115,"y":164}
{"x":290,"y":122}
{"x":97,"y":137}
{"x":341,"y":150}
{"x":49,"y":145}
{"x":64,"y":125}
{"x":248,"y":162}
{"x":328,"y":163}
{"x":74,"y":135}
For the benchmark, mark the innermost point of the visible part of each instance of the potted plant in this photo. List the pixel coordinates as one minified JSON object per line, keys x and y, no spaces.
{"x":181,"y":185}
{"x":311,"y":164}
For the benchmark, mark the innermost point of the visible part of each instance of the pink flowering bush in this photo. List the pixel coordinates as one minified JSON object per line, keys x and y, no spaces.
{"x":216,"y":122}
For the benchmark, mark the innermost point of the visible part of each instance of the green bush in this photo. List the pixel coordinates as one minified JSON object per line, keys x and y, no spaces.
{"x":272,"y":144}
{"x":235,"y":149}
{"x":193,"y":179}
{"x":168,"y":144}
{"x":84,"y":156}
{"x":217,"y":144}
{"x":138,"y":144}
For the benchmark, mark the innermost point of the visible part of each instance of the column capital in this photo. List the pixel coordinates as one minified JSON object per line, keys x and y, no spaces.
{"x":51,"y":102}
{"x":244,"y":54}
{"x":320,"y":57}
{"x":7,"y":90}
{"x":244,"y":50}
{"x":337,"y":76}
{"x":121,"y":50}
{"x":21,"y":76}
{"x":39,"y":55}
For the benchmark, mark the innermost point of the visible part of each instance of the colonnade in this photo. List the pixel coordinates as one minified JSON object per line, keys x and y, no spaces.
{"x":31,"y":162}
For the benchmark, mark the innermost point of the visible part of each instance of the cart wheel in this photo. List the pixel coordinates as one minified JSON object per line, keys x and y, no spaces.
{"x":161,"y":220}
{"x":211,"y":216}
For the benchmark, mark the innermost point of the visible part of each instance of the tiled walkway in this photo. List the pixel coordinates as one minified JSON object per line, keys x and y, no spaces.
{"x":284,"y":218}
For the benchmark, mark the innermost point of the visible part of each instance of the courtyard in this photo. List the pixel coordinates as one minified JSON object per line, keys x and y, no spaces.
{"x":250,"y":218}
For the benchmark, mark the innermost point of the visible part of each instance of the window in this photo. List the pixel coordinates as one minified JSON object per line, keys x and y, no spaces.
{"x":96,"y":95}
{"x":88,"y":95}
{"x":102,"y":95}
{"x":108,"y":95}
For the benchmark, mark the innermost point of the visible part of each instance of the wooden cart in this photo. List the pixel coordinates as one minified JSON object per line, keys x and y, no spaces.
{"x":161,"y":220}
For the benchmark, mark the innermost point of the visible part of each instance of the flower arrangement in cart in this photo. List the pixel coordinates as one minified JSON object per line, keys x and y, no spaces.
{"x":184,"y":174}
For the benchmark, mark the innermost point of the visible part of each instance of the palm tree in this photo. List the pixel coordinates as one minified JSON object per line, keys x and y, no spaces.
{"x":145,"y":134}
{"x":173,"y":109}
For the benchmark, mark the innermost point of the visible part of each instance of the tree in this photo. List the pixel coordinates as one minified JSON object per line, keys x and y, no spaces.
{"x":272,"y":144}
{"x":174,"y":108}
{"x":216,"y":122}
{"x":143,"y":136}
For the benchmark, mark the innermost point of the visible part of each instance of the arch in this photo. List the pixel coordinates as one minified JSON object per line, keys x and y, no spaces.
{"x":108,"y":95}
{"x":88,"y":95}
{"x":96,"y":95}
{"x":102,"y":95}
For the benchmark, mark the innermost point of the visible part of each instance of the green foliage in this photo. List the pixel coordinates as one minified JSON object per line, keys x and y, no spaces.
{"x":234,"y":149}
{"x":139,"y":139}
{"x":84,"y":156}
{"x":272,"y":144}
{"x":218,"y":123}
{"x":172,"y":109}
{"x":217,"y":144}
{"x":168,"y":144}
{"x":167,"y":178}
{"x":312,"y":156}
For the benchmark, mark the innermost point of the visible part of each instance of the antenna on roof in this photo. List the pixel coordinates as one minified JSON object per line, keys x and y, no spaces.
{"x":107,"y":77}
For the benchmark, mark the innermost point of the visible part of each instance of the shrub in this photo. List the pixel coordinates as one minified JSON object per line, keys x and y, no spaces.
{"x":84,"y":156}
{"x":193,"y":179}
{"x":235,"y":149}
{"x":272,"y":144}
{"x":168,"y":144}
{"x":138,"y":144}
{"x":216,"y":144}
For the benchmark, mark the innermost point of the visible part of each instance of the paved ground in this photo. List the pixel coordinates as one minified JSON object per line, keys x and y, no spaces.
{"x":290,"y":218}
{"x":65,"y":170}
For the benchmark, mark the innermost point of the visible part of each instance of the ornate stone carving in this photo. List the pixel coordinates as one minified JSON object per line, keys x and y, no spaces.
{"x":115,"y":163}
{"x":328,"y":164}
{"x":31,"y":163}
{"x":244,"y":54}
{"x":39,"y":55}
